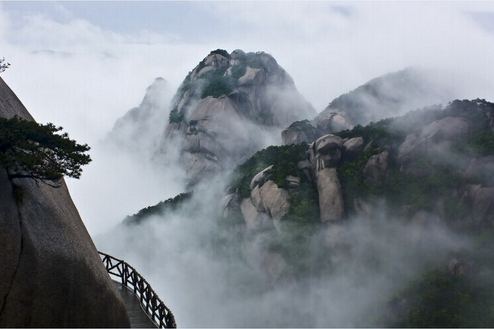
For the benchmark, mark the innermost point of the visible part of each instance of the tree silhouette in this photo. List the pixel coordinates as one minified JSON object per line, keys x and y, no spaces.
{"x":3,"y":65}
{"x":39,"y":152}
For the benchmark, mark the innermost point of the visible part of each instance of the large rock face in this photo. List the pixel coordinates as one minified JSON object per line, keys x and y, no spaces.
{"x":52,"y":275}
{"x":331,"y":201}
{"x":230,"y":106}
{"x":481,"y":200}
{"x":434,"y":139}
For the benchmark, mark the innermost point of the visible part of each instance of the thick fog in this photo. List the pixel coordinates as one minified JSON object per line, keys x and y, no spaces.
{"x":206,"y":284}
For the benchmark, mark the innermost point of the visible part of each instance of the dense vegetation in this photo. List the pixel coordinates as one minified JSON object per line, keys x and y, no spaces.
{"x":460,"y":297}
{"x":159,"y":209}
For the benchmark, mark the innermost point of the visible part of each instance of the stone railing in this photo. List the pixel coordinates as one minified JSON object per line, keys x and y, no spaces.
{"x":154,"y":307}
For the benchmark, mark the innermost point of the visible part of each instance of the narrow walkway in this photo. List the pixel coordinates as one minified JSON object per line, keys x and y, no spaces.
{"x":138,"y":319}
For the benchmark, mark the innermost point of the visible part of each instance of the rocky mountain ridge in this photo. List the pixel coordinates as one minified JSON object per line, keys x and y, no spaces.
{"x":383,"y":97}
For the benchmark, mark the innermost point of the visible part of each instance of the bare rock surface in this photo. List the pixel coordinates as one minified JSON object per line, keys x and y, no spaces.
{"x":330,"y":197}
{"x":375,"y":168}
{"x":275,"y":201}
{"x":259,"y":176}
{"x":252,"y":217}
{"x":434,"y":137}
{"x":273,"y":265}
{"x":482,"y":202}
{"x":331,"y":122}
{"x":354,"y":145}
{"x":52,"y":274}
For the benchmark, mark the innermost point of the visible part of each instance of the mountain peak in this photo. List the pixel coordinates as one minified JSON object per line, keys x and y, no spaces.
{"x":231,"y":105}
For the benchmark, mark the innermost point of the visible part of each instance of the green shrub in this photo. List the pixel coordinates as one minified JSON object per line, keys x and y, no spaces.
{"x":175,"y":116}
{"x":221,"y":52}
{"x":217,"y":84}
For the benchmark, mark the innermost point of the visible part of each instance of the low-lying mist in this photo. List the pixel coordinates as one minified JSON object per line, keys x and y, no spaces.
{"x":211,"y":274}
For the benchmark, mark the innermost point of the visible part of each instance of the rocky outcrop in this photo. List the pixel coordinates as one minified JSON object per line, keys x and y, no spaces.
{"x":325,"y":152}
{"x":300,"y":132}
{"x":259,"y":176}
{"x":375,"y":168}
{"x":480,"y":166}
{"x":267,"y":202}
{"x":52,"y":275}
{"x":273,"y":265}
{"x":253,"y":218}
{"x":331,"y":202}
{"x":434,"y":139}
{"x":353,"y":145}
{"x":230,"y":106}
{"x":331,"y":122}
{"x":481,"y":201}
{"x":275,"y":202}
{"x":292,"y":181}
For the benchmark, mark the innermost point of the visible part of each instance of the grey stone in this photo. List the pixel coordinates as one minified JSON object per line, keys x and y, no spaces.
{"x":259,"y":176}
{"x":273,"y":265}
{"x":331,"y":202}
{"x":481,"y":200}
{"x":52,"y":274}
{"x":331,"y":122}
{"x":274,"y":199}
{"x":375,"y":168}
{"x":251,"y":216}
{"x":354,"y":145}
{"x":275,"y":202}
{"x":225,"y":205}
{"x":434,"y":137}
{"x":291,"y":136}
{"x":328,"y":142}
{"x":481,"y":165}
{"x":293,"y":182}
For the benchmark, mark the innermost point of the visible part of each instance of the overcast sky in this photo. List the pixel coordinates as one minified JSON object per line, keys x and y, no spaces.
{"x":82,"y":65}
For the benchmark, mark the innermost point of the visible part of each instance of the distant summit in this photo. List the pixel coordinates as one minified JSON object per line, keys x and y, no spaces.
{"x":387,"y":96}
{"x":230,"y":106}
{"x":141,"y":127}
{"x":390,"y":95}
